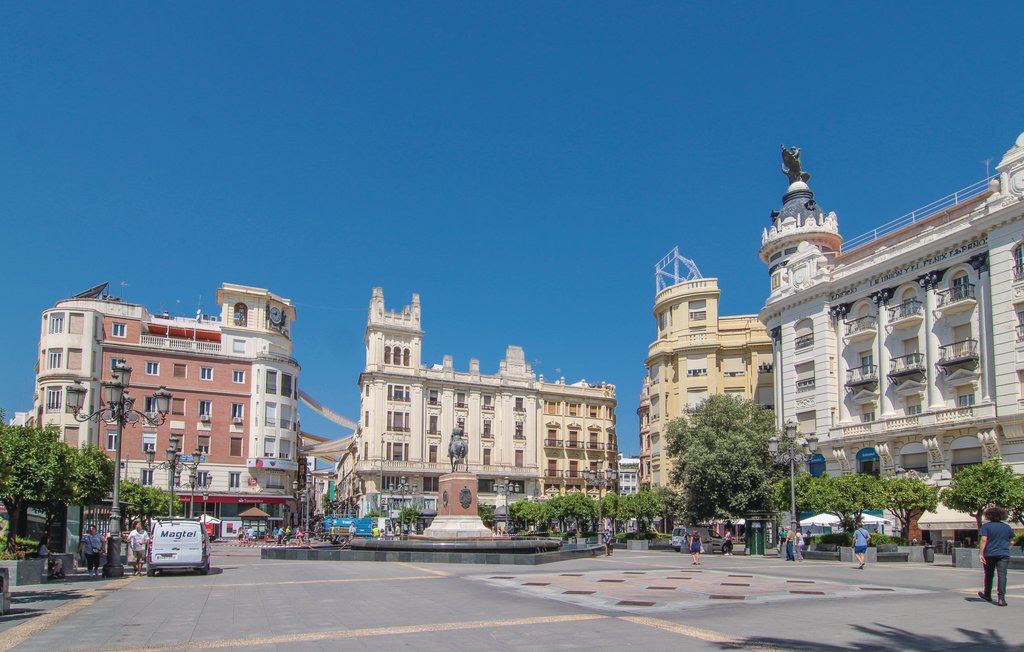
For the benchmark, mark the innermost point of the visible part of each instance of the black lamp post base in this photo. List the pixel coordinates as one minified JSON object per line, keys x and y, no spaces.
{"x":113,"y":570}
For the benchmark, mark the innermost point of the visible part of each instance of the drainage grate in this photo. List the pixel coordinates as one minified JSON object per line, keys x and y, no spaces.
{"x":733,"y":584}
{"x":661,"y":588}
{"x":611,"y":580}
{"x":635,"y":603}
{"x":873,"y":588}
{"x":676,"y":577}
{"x":799,"y":592}
{"x":572,"y":575}
{"x":536,"y":583}
{"x":502,"y":577}
{"x":799,"y":581}
{"x":740,"y":575}
{"x":634,"y":572}
{"x":578,"y":592}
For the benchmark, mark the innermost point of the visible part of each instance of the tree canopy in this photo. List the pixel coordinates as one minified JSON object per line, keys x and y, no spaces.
{"x":644,"y":506}
{"x":846,"y":496}
{"x":144,"y":503}
{"x":34,"y":465}
{"x":722,"y":465}
{"x":975,"y":487}
{"x":908,"y":498}
{"x":574,"y":508}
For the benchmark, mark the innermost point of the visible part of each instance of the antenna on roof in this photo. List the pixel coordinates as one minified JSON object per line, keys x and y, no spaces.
{"x":123,"y":284}
{"x":674,"y":269}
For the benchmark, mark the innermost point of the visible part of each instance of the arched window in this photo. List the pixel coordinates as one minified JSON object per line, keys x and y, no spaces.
{"x":914,"y":457}
{"x":804,"y":335}
{"x":405,"y":358}
{"x":387,"y":355}
{"x":241,"y":314}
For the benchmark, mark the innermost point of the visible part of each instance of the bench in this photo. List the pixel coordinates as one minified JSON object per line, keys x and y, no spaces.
{"x":823,"y":552}
{"x":889,"y":553}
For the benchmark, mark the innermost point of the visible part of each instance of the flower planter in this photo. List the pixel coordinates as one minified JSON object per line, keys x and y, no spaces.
{"x":24,"y":571}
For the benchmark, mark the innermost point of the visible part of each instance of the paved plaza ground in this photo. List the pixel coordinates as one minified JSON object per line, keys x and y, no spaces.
{"x":650,"y":600}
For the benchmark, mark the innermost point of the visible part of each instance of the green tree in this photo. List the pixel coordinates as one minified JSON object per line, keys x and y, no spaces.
{"x":722,"y":465}
{"x":408,"y":515}
{"x":782,"y":497}
{"x":486,"y":513}
{"x":576,"y":508}
{"x":31,"y":462}
{"x":907,"y":499}
{"x":975,"y":487}
{"x":143,"y":503}
{"x":644,"y":506}
{"x":846,"y":496}
{"x":610,"y":507}
{"x":74,"y":477}
{"x":673,"y":505}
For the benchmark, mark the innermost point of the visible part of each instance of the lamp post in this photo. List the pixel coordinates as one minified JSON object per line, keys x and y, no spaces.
{"x":600,"y":479}
{"x":792,"y":450}
{"x":507,"y":488}
{"x":403,"y":488}
{"x":303,"y":495}
{"x":120,"y":409}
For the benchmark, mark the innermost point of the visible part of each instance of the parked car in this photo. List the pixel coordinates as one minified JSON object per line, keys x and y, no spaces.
{"x":178,"y":544}
{"x":710,"y":541}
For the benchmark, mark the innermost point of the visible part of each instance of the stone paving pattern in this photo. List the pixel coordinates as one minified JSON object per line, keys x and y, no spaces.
{"x":600,"y":603}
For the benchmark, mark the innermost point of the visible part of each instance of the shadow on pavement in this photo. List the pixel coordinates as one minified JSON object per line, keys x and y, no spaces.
{"x":894,"y":638}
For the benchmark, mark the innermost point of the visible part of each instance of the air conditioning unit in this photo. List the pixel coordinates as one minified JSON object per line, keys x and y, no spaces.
{"x":204,"y":417}
{"x":237,"y":420}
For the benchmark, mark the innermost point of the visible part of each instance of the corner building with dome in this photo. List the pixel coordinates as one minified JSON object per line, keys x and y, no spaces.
{"x":902,"y":349}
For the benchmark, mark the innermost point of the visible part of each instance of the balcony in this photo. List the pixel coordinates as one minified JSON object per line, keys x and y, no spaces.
{"x":399,"y":399}
{"x":461,"y":405}
{"x":861,"y":377}
{"x":959,"y":298}
{"x":964,"y":352}
{"x":907,"y":314}
{"x":862,"y":328}
{"x":519,"y":409}
{"x":398,"y":428}
{"x":1018,"y":271}
{"x":433,"y":401}
{"x":805,"y":385}
{"x":803,"y":342}
{"x":905,"y":366}
{"x":1020,"y":333}
{"x":487,"y":407}
{"x":176,"y":344}
{"x":553,"y":443}
{"x":573,"y":443}
{"x":765,"y":368}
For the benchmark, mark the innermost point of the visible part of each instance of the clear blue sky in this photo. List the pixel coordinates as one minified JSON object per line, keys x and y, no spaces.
{"x":521,"y":166}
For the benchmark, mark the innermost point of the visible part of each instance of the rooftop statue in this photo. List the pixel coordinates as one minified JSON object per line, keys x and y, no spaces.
{"x":791,"y":165}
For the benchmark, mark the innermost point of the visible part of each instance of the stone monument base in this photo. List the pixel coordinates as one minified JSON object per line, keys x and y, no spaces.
{"x":457,"y":517}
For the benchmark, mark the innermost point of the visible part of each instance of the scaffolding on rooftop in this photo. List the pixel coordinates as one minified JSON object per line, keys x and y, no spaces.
{"x":674,"y":269}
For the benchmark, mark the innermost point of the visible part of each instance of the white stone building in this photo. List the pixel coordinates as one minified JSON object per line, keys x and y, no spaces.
{"x":903,"y":348}
{"x":409,"y":409}
{"x":629,"y":475}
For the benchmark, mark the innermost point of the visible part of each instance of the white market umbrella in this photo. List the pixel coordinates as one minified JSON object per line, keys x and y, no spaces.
{"x":871,"y":519}
{"x":206,"y":518}
{"x":820,"y":520}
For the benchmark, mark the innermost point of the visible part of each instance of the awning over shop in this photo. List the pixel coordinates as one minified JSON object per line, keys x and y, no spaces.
{"x":944,"y":518}
{"x":253,"y":512}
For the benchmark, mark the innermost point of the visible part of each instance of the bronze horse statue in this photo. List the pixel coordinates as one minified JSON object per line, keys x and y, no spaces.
{"x":457,"y":450}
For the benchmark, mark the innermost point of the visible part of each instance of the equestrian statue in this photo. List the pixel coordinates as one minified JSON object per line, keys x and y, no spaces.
{"x":457,"y":450}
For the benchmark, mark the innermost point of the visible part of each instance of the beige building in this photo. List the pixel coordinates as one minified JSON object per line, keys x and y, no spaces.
{"x":409,"y":410}
{"x":697,"y":353}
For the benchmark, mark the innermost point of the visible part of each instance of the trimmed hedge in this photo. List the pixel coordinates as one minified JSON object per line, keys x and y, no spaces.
{"x":846,"y":539}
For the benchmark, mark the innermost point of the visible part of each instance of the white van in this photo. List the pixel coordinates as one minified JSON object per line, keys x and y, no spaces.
{"x":178,"y":544}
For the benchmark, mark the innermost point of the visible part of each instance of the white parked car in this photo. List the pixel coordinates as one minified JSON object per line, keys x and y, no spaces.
{"x":178,"y":544}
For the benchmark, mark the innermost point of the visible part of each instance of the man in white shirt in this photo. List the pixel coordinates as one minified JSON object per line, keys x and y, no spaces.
{"x":137,"y":539}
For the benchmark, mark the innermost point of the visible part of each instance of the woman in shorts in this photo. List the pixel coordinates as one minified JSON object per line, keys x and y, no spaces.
{"x":695,"y":547}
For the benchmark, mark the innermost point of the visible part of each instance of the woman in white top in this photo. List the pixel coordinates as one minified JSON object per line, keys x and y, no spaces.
{"x":799,"y":545}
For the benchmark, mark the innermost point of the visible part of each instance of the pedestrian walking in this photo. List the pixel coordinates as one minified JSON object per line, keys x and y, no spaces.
{"x":727,"y":544}
{"x":994,"y":552}
{"x":137,"y":539}
{"x":92,"y":546}
{"x":607,"y":542}
{"x":782,"y":540}
{"x":695,"y":547}
{"x":861,"y":538}
{"x":790,"y":543}
{"x":798,"y":545}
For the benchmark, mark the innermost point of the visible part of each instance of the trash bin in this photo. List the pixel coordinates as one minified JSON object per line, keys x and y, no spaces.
{"x":929,"y":554}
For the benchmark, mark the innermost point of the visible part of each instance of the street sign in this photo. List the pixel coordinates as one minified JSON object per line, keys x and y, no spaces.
{"x":189,"y":458}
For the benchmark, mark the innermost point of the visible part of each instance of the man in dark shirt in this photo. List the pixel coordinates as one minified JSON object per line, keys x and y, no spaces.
{"x":994,"y":552}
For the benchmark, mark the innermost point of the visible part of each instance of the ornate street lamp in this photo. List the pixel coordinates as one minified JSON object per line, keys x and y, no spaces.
{"x":176,"y":464}
{"x":119,"y":409}
{"x":794,"y":449}
{"x":600,"y":479}
{"x":508,"y":488}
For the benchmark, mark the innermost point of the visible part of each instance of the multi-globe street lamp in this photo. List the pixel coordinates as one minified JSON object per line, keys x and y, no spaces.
{"x":401,"y":488}
{"x":176,"y":464}
{"x":793,"y":450}
{"x":305,"y":496}
{"x":119,"y":408}
{"x":508,"y":488}
{"x":600,"y":479}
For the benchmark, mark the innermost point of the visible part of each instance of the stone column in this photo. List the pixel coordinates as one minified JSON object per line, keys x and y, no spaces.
{"x":985,"y":350}
{"x":838,"y":314}
{"x":931,"y":352}
{"x":881,"y":299}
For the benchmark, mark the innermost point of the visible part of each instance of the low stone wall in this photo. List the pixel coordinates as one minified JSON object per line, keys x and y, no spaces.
{"x":846,"y":555}
{"x":637,"y":544}
{"x":25,"y":571}
{"x":423,"y":556}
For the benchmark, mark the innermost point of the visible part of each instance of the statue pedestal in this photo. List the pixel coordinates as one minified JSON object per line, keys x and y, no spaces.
{"x":456,"y":509}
